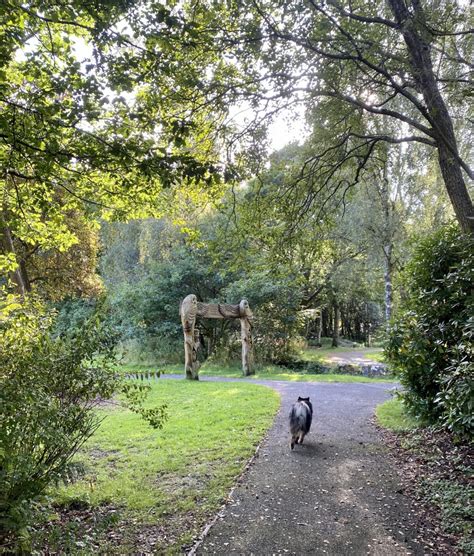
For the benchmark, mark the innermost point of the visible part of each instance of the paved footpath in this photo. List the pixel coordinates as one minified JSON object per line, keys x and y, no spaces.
{"x":337,"y":494}
{"x":354,"y":357}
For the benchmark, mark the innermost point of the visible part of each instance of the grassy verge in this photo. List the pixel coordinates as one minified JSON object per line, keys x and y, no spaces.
{"x":268,"y":372}
{"x":323,"y":355}
{"x":377,"y":356}
{"x":393,"y":416}
{"x":151,"y":491}
{"x":276,"y":373}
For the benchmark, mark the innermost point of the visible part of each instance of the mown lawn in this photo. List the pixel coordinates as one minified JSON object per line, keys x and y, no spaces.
{"x":266,"y":372}
{"x":148,"y":491}
{"x":277,"y":373}
{"x":323,"y":355}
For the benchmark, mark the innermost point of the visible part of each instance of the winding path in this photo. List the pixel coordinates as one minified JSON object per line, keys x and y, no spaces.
{"x":338,"y":494}
{"x":354,"y":357}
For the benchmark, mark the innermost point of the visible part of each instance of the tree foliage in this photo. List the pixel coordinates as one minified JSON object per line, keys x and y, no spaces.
{"x":150,"y":266}
{"x":101,"y":116}
{"x":368,"y":74}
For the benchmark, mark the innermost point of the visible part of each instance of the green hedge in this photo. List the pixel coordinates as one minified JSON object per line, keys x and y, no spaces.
{"x":430,"y":344}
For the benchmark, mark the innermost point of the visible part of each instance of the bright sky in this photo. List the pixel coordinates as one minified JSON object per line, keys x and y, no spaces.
{"x":288,"y":126}
{"x":287,"y":129}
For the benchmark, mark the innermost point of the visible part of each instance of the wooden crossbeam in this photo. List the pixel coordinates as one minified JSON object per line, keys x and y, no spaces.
{"x":191,"y":308}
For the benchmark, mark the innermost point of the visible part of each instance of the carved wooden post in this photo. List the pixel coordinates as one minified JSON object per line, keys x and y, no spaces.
{"x":246,"y":331}
{"x":188,"y":311}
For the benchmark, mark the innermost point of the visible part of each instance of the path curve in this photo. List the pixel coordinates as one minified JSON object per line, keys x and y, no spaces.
{"x":354,"y":357}
{"x":338,"y":494}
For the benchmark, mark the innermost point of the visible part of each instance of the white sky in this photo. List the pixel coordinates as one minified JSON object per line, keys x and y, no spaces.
{"x":287,"y":129}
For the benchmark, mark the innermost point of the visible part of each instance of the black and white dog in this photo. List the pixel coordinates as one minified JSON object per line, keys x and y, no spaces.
{"x":301,"y":415}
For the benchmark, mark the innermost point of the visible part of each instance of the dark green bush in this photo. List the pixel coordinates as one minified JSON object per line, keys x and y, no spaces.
{"x":430,"y":344}
{"x":49,"y":388}
{"x":72,"y":314}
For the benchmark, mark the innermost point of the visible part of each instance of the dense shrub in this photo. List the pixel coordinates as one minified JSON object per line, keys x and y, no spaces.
{"x":275,"y":303}
{"x":72,"y":314}
{"x":49,"y":387}
{"x":145,"y":309}
{"x":430,"y":344}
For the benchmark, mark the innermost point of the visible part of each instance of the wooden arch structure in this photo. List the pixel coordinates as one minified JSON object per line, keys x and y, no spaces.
{"x":190,"y":309}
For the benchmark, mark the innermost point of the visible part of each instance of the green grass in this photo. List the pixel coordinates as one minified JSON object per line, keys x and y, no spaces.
{"x":142,"y":367}
{"x":266,"y":372}
{"x":378,"y":356}
{"x":392,"y":415}
{"x":277,"y":373}
{"x":162,"y":485}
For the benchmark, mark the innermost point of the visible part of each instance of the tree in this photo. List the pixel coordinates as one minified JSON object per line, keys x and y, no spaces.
{"x":326,"y":254}
{"x":363,"y":66}
{"x":97,"y":117}
{"x":57,"y":273}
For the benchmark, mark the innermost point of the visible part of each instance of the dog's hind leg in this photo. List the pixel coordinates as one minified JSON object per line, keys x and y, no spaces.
{"x":301,"y":438}
{"x":294,"y":441}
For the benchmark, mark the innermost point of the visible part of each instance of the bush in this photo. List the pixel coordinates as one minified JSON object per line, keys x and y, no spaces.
{"x":275,"y":303}
{"x":430,"y":343}
{"x":49,"y":387}
{"x":72,"y":314}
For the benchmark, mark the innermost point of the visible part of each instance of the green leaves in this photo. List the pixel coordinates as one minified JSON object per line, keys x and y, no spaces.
{"x":50,"y":387}
{"x":135,"y":395}
{"x":100,"y":113}
{"x":431,"y":340}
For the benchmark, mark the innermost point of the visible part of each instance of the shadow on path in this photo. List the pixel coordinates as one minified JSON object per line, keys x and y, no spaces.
{"x":336,"y":494}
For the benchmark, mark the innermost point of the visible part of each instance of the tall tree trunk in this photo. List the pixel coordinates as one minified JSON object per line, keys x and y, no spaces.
{"x":457,"y":191}
{"x":357,"y":330}
{"x":319,"y":328}
{"x":19,"y":277}
{"x":324,"y":322}
{"x":329,"y":322}
{"x":367,"y":327}
{"x":368,"y":335}
{"x":388,"y":209}
{"x":388,"y":283}
{"x":417,"y":36}
{"x":335,"y":327}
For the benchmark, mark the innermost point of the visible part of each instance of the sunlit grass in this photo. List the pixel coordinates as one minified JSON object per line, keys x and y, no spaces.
{"x":323,"y":355}
{"x":161,"y":476}
{"x":262,"y":372}
{"x":392,"y":415}
{"x":378,"y":356}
